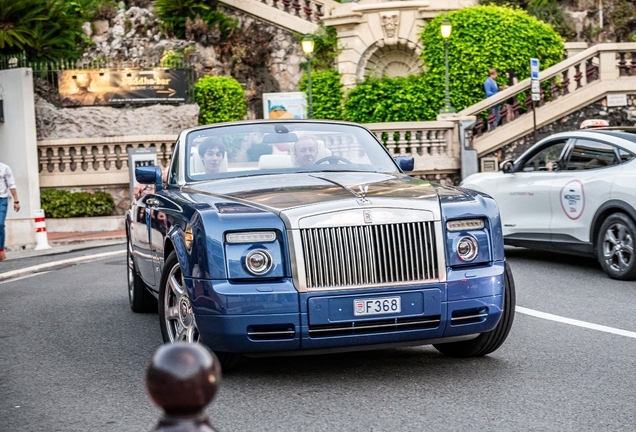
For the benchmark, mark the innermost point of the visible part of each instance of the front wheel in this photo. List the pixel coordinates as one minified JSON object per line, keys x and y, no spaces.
{"x":615,"y":247}
{"x":176,"y":316}
{"x":488,"y":342}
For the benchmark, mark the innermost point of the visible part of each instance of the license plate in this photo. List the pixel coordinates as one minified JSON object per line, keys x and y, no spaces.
{"x":377,"y":306}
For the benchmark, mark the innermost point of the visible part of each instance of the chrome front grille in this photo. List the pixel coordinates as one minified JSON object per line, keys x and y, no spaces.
{"x":356,"y":256}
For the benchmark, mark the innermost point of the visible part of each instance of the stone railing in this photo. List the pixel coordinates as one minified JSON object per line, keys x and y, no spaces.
{"x":569,"y":78}
{"x":301,"y":16}
{"x":95,"y":161}
{"x":433,"y":145}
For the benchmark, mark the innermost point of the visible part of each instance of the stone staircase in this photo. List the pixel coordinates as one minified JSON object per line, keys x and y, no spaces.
{"x":569,"y":86}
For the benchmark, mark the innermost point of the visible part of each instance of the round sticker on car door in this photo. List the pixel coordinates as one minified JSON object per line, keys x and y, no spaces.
{"x":573,"y":199}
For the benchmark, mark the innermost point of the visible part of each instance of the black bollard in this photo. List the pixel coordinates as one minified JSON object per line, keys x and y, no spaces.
{"x":182,"y":379}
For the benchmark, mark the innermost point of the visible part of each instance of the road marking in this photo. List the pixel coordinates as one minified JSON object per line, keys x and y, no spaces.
{"x":24,"y":277}
{"x":12,"y":275}
{"x":574,"y":322}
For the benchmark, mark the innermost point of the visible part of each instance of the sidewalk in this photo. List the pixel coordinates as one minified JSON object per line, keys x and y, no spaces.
{"x":67,"y":242}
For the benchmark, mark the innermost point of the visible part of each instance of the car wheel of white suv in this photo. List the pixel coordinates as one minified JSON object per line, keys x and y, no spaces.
{"x":615,"y":247}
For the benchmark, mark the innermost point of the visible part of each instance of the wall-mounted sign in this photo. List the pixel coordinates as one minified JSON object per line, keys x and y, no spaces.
{"x":614,"y":100}
{"x":116,"y":87}
{"x":489,"y":164}
{"x":292,"y":105}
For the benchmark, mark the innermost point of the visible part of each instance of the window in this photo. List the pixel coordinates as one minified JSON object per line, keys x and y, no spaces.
{"x":547,"y":159}
{"x":588,"y":154}
{"x":277,"y":148}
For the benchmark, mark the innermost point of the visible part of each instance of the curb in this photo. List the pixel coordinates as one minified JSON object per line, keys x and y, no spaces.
{"x":14,"y":274}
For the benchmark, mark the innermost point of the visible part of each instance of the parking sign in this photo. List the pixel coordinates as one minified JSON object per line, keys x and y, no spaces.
{"x":534,"y":68}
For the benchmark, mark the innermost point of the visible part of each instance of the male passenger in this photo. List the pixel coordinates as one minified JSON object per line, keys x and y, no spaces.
{"x":306,"y":151}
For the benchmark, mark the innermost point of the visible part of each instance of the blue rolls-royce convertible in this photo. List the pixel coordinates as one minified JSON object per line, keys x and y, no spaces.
{"x":278,"y":237}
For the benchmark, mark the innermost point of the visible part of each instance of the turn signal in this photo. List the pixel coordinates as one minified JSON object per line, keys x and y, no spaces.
{"x":188,"y":237}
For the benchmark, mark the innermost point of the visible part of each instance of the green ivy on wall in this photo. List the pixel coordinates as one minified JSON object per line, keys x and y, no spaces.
{"x":220,"y":99}
{"x":485,"y":37}
{"x":389,"y":99}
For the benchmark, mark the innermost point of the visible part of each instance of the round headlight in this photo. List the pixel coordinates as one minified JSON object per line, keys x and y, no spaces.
{"x":258,"y":261}
{"x":467,"y":248}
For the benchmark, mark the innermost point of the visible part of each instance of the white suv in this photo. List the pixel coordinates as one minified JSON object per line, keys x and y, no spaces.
{"x":573,"y":192}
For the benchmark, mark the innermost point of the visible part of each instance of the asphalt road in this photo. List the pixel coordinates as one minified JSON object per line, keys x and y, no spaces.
{"x":73,"y":358}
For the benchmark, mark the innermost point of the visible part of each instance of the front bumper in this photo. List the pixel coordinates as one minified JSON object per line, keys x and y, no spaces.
{"x":274,"y":317}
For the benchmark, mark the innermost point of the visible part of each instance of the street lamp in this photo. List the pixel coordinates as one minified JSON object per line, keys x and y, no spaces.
{"x":446,"y":32}
{"x":308,"y":48}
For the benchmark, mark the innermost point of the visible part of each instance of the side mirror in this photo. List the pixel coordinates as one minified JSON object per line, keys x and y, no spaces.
{"x":406,"y":163}
{"x":506,"y":166}
{"x":149,"y":175}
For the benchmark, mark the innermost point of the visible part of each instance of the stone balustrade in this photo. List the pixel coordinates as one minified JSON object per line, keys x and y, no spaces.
{"x":433,"y":145}
{"x":572,"y":76}
{"x":95,"y":161}
{"x":300,"y":16}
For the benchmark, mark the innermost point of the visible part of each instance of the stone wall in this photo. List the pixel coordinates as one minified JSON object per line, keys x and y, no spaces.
{"x":616,"y":116}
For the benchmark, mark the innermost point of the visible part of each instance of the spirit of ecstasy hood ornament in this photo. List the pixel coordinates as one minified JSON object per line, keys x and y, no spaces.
{"x":362,"y":196}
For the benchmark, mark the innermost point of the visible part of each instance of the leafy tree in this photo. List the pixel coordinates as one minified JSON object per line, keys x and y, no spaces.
{"x":326,"y":91}
{"x":551,"y":12}
{"x":17,"y":21}
{"x":43,"y":29}
{"x":175,"y":14}
{"x":220,"y":99}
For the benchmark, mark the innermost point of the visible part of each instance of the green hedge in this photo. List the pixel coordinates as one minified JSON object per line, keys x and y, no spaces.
{"x":326,"y":94}
{"x":220,"y":99}
{"x":59,"y":203}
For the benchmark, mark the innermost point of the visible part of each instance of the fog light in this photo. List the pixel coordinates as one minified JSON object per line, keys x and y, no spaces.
{"x":467,"y":248}
{"x":258,"y":261}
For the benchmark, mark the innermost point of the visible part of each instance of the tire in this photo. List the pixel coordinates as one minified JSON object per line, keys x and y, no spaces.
{"x":139,"y":298}
{"x":176,"y":317}
{"x":615,"y":247}
{"x":488,"y":342}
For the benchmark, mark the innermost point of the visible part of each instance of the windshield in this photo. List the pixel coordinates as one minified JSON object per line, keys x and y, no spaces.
{"x":283,"y":147}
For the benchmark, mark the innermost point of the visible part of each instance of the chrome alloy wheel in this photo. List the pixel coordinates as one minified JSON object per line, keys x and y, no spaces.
{"x":618,"y":247}
{"x":179,"y":318}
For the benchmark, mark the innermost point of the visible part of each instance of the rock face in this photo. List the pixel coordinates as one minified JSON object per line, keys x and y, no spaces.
{"x":86,"y":122}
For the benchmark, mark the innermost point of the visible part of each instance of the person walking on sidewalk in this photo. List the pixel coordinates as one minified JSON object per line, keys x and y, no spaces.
{"x":7,"y":184}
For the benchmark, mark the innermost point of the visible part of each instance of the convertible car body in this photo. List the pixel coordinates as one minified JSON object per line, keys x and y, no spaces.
{"x":306,"y":236}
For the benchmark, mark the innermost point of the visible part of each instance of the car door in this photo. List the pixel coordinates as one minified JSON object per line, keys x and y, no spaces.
{"x":158,"y":216}
{"x":581,"y":187}
{"x":141,"y":238}
{"x":524,"y":195}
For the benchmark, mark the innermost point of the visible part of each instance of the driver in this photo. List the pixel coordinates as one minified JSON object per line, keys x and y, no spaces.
{"x":306,"y":151}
